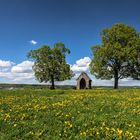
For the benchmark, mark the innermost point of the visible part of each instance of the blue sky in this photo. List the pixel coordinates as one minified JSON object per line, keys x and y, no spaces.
{"x":28,"y":24}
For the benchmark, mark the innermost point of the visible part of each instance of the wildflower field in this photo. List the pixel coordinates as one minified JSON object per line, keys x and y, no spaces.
{"x":70,"y":114}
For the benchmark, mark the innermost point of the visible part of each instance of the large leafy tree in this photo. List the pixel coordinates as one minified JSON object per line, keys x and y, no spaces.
{"x":50,"y":63}
{"x":118,"y":56}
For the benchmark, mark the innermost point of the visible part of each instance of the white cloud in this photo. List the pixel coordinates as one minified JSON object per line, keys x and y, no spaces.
{"x":5,"y":64}
{"x":23,"y":77}
{"x":81,"y":65}
{"x":6,"y":75}
{"x":20,"y":73}
{"x":33,"y":42}
{"x":24,"y":67}
{"x":83,"y":62}
{"x":129,"y":82}
{"x":23,"y":72}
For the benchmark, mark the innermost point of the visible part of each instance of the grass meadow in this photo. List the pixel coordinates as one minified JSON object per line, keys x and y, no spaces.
{"x":96,"y":114}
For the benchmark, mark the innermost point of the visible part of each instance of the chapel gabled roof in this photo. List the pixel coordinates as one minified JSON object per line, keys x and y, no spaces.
{"x":83,"y":73}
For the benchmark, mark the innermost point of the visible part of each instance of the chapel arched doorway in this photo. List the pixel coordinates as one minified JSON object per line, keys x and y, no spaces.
{"x":82,"y":83}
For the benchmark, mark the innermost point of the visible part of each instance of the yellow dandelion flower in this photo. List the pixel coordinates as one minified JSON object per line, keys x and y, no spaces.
{"x":83,"y":133}
{"x":113,"y":129}
{"x":67,"y":115}
{"x":70,"y":125}
{"x":107,"y":128}
{"x":15,"y":125}
{"x":119,"y":131}
{"x":97,"y":133}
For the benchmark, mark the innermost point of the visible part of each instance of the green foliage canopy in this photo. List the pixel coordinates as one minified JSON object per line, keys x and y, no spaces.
{"x":50,"y":63}
{"x":119,"y":54}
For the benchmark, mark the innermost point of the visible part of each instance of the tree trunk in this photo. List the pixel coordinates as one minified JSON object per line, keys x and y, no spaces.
{"x":52,"y":81}
{"x":116,"y":79}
